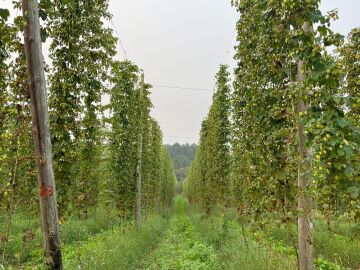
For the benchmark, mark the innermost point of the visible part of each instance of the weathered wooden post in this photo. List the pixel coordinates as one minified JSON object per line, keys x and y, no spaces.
{"x":305,"y":224}
{"x":139,"y":160}
{"x":41,"y":135}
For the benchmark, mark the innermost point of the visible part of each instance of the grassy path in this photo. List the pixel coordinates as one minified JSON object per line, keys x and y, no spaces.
{"x":181,"y":247}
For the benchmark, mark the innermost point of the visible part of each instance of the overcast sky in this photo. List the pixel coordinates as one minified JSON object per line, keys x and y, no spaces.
{"x":178,"y":43}
{"x":182,"y":43}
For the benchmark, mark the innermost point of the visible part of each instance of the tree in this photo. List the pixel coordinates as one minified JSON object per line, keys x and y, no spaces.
{"x":281,"y":61}
{"x":152,"y":158}
{"x":167,"y":178}
{"x":350,"y":56}
{"x":182,"y":156}
{"x":136,"y":147}
{"x":81,"y":51}
{"x":219,"y":139}
{"x":208,"y":179}
{"x":124,"y":107}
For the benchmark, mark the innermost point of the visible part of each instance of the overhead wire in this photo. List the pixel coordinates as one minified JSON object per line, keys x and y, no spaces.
{"x":168,"y":86}
{"x":171,"y":86}
{"x":183,"y":88}
{"x":177,"y":87}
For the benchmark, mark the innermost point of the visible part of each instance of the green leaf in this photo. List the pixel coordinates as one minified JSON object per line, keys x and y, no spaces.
{"x":353,"y":191}
{"x":42,"y":14}
{"x":4,"y":13}
{"x":322,"y":30}
{"x":315,"y":16}
{"x":348,"y":150}
{"x":342,"y":122}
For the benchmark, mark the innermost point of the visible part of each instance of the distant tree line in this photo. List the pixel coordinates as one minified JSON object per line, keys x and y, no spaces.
{"x":182,"y":156}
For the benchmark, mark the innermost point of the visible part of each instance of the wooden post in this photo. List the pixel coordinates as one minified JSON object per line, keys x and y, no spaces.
{"x":41,"y":135}
{"x":305,"y":224}
{"x":139,"y":159}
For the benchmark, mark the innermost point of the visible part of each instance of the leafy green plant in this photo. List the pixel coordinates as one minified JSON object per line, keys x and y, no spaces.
{"x":321,"y":264}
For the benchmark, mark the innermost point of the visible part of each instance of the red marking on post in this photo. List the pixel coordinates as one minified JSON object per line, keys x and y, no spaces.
{"x":46,"y":191}
{"x":42,"y":192}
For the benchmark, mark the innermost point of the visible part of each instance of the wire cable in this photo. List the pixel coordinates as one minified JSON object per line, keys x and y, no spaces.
{"x":182,"y":88}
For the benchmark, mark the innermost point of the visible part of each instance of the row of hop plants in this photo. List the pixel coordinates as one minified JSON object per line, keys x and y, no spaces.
{"x":95,"y":145}
{"x":291,"y":113}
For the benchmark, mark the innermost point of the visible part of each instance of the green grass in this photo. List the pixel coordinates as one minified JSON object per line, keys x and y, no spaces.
{"x":23,"y":238}
{"x":340,"y":246}
{"x":235,"y":251}
{"x":182,"y":247}
{"x":189,"y":240}
{"x":98,"y":242}
{"x":24,"y":243}
{"x":115,"y":249}
{"x":272,"y":247}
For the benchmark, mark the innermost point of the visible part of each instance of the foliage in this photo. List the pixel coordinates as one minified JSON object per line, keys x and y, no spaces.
{"x":248,"y":246}
{"x":16,"y":158}
{"x":167,"y":178}
{"x":338,"y":245}
{"x":151,"y":164}
{"x":129,"y":98}
{"x":102,"y":251}
{"x":182,"y":247}
{"x":81,"y":52}
{"x":208,"y":178}
{"x":289,"y":118}
{"x":350,"y":58}
{"x":182,"y":156}
{"x":94,"y":157}
{"x":265,"y":117}
{"x":293,"y":112}
{"x":25,"y":236}
{"x":226,"y":235}
{"x":124,"y":107}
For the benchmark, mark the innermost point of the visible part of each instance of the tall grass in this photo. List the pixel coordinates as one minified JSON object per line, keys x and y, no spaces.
{"x":98,"y":242}
{"x":235,"y":249}
{"x":341,"y":245}
{"x":116,"y":249}
{"x":182,"y":247}
{"x":25,"y":242}
{"x":274,"y":246}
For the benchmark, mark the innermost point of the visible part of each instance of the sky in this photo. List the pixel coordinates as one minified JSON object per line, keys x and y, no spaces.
{"x":181,"y":43}
{"x":177,"y":43}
